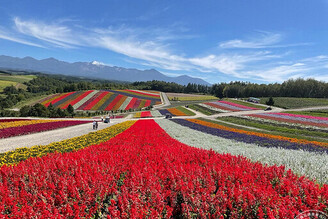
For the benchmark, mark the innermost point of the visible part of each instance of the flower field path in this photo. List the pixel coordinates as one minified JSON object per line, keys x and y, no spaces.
{"x":165,"y":101}
{"x":47,"y":137}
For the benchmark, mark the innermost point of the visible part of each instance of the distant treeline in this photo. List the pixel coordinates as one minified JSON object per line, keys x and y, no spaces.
{"x":307,"y":88}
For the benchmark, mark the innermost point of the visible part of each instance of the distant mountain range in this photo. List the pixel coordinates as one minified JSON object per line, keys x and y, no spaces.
{"x":92,"y":70}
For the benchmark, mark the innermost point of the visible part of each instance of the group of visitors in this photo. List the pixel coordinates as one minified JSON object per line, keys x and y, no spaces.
{"x":95,"y":125}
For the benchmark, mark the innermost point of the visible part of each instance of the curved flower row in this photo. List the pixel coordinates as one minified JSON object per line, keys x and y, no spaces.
{"x":303,"y":163}
{"x":213,"y":108}
{"x":37,"y":127}
{"x":72,"y":144}
{"x":303,"y":116}
{"x":19,"y":122}
{"x":12,"y":120}
{"x":264,"y":140}
{"x":153,"y":176}
{"x":289,"y":119}
{"x":289,"y":124}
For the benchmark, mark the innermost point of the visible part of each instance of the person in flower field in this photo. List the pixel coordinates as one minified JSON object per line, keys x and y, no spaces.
{"x":94,"y":124}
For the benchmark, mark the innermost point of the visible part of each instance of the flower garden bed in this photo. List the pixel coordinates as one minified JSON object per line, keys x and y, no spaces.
{"x":153,"y":176}
{"x":16,"y":128}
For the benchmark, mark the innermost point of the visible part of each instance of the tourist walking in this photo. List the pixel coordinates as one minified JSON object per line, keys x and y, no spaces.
{"x":94,"y":124}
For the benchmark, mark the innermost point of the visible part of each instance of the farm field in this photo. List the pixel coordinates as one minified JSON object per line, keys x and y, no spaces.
{"x":104,"y":100}
{"x":189,"y":97}
{"x":159,"y":174}
{"x":293,"y":103}
{"x":14,"y":80}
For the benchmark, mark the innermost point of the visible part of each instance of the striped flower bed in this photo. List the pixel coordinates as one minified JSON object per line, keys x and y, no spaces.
{"x":77,"y":99}
{"x":261,"y":139}
{"x":114,"y":102}
{"x":99,"y":104}
{"x":46,"y":125}
{"x":176,"y":112}
{"x":103,"y":100}
{"x":18,"y":123}
{"x":96,"y":99}
{"x":293,"y":118}
{"x":229,"y":106}
{"x":119,"y":103}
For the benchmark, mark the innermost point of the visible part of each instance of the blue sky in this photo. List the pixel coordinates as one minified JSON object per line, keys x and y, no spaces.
{"x":261,"y":41}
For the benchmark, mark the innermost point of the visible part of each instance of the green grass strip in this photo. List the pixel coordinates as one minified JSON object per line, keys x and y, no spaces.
{"x":186,"y":111}
{"x":202,"y":109}
{"x":68,"y":145}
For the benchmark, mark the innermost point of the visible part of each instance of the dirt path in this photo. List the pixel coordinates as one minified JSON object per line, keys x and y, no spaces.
{"x":44,"y":138}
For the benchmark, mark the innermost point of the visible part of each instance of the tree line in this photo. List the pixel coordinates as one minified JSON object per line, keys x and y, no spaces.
{"x":306,"y":88}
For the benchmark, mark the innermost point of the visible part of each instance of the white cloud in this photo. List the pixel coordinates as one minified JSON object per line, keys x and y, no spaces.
{"x":6,"y":36}
{"x":154,"y":49}
{"x":262,"y":40}
{"x":60,"y":36}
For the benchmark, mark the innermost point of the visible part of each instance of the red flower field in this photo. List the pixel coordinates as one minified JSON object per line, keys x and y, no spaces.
{"x":143,"y":172}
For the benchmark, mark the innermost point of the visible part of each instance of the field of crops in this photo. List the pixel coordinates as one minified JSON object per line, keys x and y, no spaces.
{"x":189,"y":97}
{"x":15,"y":127}
{"x":104,"y":100}
{"x":149,"y":169}
{"x":14,"y":80}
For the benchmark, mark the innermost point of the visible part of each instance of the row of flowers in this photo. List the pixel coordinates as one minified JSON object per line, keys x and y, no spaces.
{"x":303,"y":163}
{"x":22,"y":122}
{"x":153,"y":176}
{"x":283,"y":123}
{"x":43,"y":125}
{"x":293,"y":118}
{"x":229,"y":106}
{"x":143,"y":94}
{"x":73,"y":144}
{"x":261,"y":139}
{"x":176,"y":112}
{"x":209,"y":106}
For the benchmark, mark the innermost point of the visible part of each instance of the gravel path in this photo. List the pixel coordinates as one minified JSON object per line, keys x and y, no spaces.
{"x":44,"y":138}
